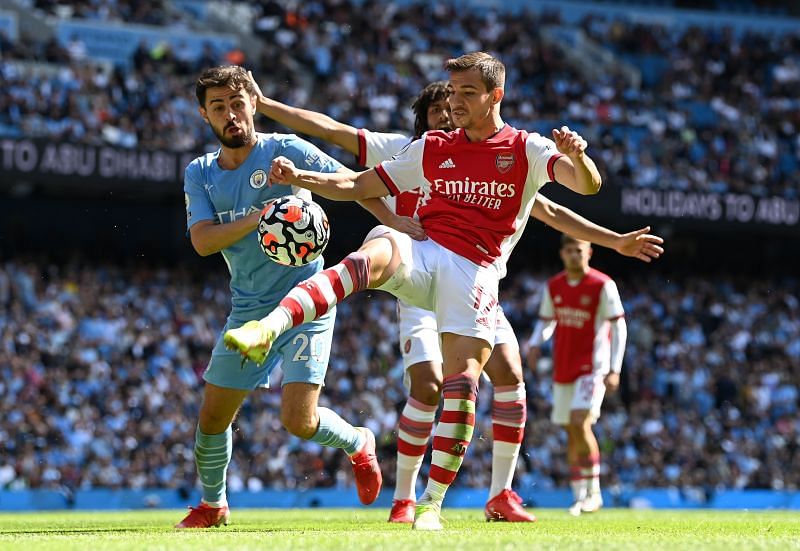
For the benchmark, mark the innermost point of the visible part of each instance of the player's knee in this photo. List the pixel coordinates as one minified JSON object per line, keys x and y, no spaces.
{"x":427,"y":392}
{"x":213,"y":422}
{"x":384,"y":253}
{"x":299,"y":425}
{"x":579,"y":420}
{"x":426,"y":382}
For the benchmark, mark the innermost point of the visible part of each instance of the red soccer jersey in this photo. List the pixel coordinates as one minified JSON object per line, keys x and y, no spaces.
{"x":476,"y":196}
{"x":582,"y":310}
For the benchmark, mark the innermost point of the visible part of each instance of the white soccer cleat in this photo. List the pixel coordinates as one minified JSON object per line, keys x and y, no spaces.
{"x":576,"y":508}
{"x":427,"y":517}
{"x":592,"y":503}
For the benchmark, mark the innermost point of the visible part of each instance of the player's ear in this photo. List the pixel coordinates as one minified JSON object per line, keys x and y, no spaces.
{"x":203,"y":113}
{"x":497,"y":95}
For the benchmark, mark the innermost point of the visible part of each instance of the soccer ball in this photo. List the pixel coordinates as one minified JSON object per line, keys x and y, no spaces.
{"x":293,"y":232}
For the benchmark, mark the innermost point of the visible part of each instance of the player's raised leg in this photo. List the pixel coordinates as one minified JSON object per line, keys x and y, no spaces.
{"x":464,"y":358}
{"x":509,"y":412}
{"x":371,"y":266}
{"x":213,"y":449}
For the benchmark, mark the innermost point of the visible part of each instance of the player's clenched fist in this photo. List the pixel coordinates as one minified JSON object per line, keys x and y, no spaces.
{"x":569,"y":142}
{"x":282,"y":171}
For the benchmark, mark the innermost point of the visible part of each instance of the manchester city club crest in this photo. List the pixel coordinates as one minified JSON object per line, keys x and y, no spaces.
{"x":504,"y":162}
{"x":258,"y":178}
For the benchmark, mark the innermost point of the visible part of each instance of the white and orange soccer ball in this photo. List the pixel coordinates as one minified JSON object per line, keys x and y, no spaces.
{"x":292,"y":231}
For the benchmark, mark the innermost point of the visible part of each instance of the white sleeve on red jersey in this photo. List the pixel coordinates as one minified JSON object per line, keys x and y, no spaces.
{"x":542,"y":155}
{"x":404,"y":171}
{"x":546,"y":310}
{"x":547,"y":320}
{"x":619,"y":336}
{"x":376,"y":147}
{"x":610,"y":305}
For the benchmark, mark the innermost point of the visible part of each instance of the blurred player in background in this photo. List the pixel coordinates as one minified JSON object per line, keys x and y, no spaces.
{"x":419,"y":338}
{"x":225,"y":192}
{"x":582,"y":310}
{"x":479,"y":184}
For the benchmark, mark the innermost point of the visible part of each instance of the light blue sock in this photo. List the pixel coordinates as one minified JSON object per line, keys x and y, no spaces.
{"x":212,"y":453}
{"x":335,"y":432}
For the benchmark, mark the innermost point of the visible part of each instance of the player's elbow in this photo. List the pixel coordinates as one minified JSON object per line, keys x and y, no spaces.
{"x":592,"y":185}
{"x":596,"y":184}
{"x":203,"y":251}
{"x":201,"y":246}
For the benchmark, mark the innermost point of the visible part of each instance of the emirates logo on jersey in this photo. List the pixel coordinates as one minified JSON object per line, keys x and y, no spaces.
{"x":480,"y":193}
{"x":504,"y":162}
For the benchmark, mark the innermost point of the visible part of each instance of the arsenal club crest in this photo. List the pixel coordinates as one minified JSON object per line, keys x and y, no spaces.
{"x":504,"y":162}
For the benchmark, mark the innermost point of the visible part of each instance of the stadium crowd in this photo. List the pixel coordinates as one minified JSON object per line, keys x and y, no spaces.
{"x":716,"y":110}
{"x":100,"y":383}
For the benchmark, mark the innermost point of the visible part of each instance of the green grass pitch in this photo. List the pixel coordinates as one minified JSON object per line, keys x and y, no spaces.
{"x":367,"y":529}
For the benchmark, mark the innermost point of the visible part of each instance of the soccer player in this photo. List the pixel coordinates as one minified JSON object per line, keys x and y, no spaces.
{"x":582,"y":310}
{"x":419,"y":337}
{"x":225,"y":191}
{"x":478,"y":187}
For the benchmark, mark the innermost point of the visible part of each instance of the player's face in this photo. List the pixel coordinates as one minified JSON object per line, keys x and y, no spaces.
{"x":439,"y":116}
{"x":230,"y":114}
{"x":470,"y":102}
{"x":576,"y":256}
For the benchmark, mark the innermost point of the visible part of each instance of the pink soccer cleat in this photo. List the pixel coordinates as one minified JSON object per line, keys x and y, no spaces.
{"x":402,"y":511}
{"x":366,"y":470}
{"x":507,"y":507}
{"x":205,"y":516}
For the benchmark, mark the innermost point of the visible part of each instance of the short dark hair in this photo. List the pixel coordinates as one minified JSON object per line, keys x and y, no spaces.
{"x":492,"y":70}
{"x":434,"y":91}
{"x":569,"y":240}
{"x":232,"y":76}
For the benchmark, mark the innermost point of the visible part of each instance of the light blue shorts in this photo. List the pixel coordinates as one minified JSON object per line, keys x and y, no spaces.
{"x":302,"y":353}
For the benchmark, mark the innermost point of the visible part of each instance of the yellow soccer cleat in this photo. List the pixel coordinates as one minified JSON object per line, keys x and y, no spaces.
{"x":252,"y":340}
{"x":428,"y":517}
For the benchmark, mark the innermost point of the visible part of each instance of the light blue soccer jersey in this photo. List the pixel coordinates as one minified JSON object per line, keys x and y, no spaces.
{"x":257,"y":283}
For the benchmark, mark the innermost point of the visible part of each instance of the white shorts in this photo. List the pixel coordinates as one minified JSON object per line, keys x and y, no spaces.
{"x":462,"y":294}
{"x":586,"y":392}
{"x":419,"y":334}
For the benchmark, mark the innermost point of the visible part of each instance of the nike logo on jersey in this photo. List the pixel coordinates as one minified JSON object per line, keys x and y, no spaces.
{"x":448,"y":164}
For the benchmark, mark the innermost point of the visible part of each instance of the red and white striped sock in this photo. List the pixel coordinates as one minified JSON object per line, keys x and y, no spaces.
{"x":590,"y":472}
{"x":413,"y":434}
{"x":577,"y":482}
{"x":314,"y":297}
{"x":509,"y":411}
{"x":453,"y":434}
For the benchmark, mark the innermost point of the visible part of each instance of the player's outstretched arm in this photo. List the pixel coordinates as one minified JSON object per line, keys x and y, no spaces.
{"x":338,"y":186}
{"x":637,"y":244}
{"x":576,"y":170}
{"x":307,"y":122}
{"x":209,"y":238}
